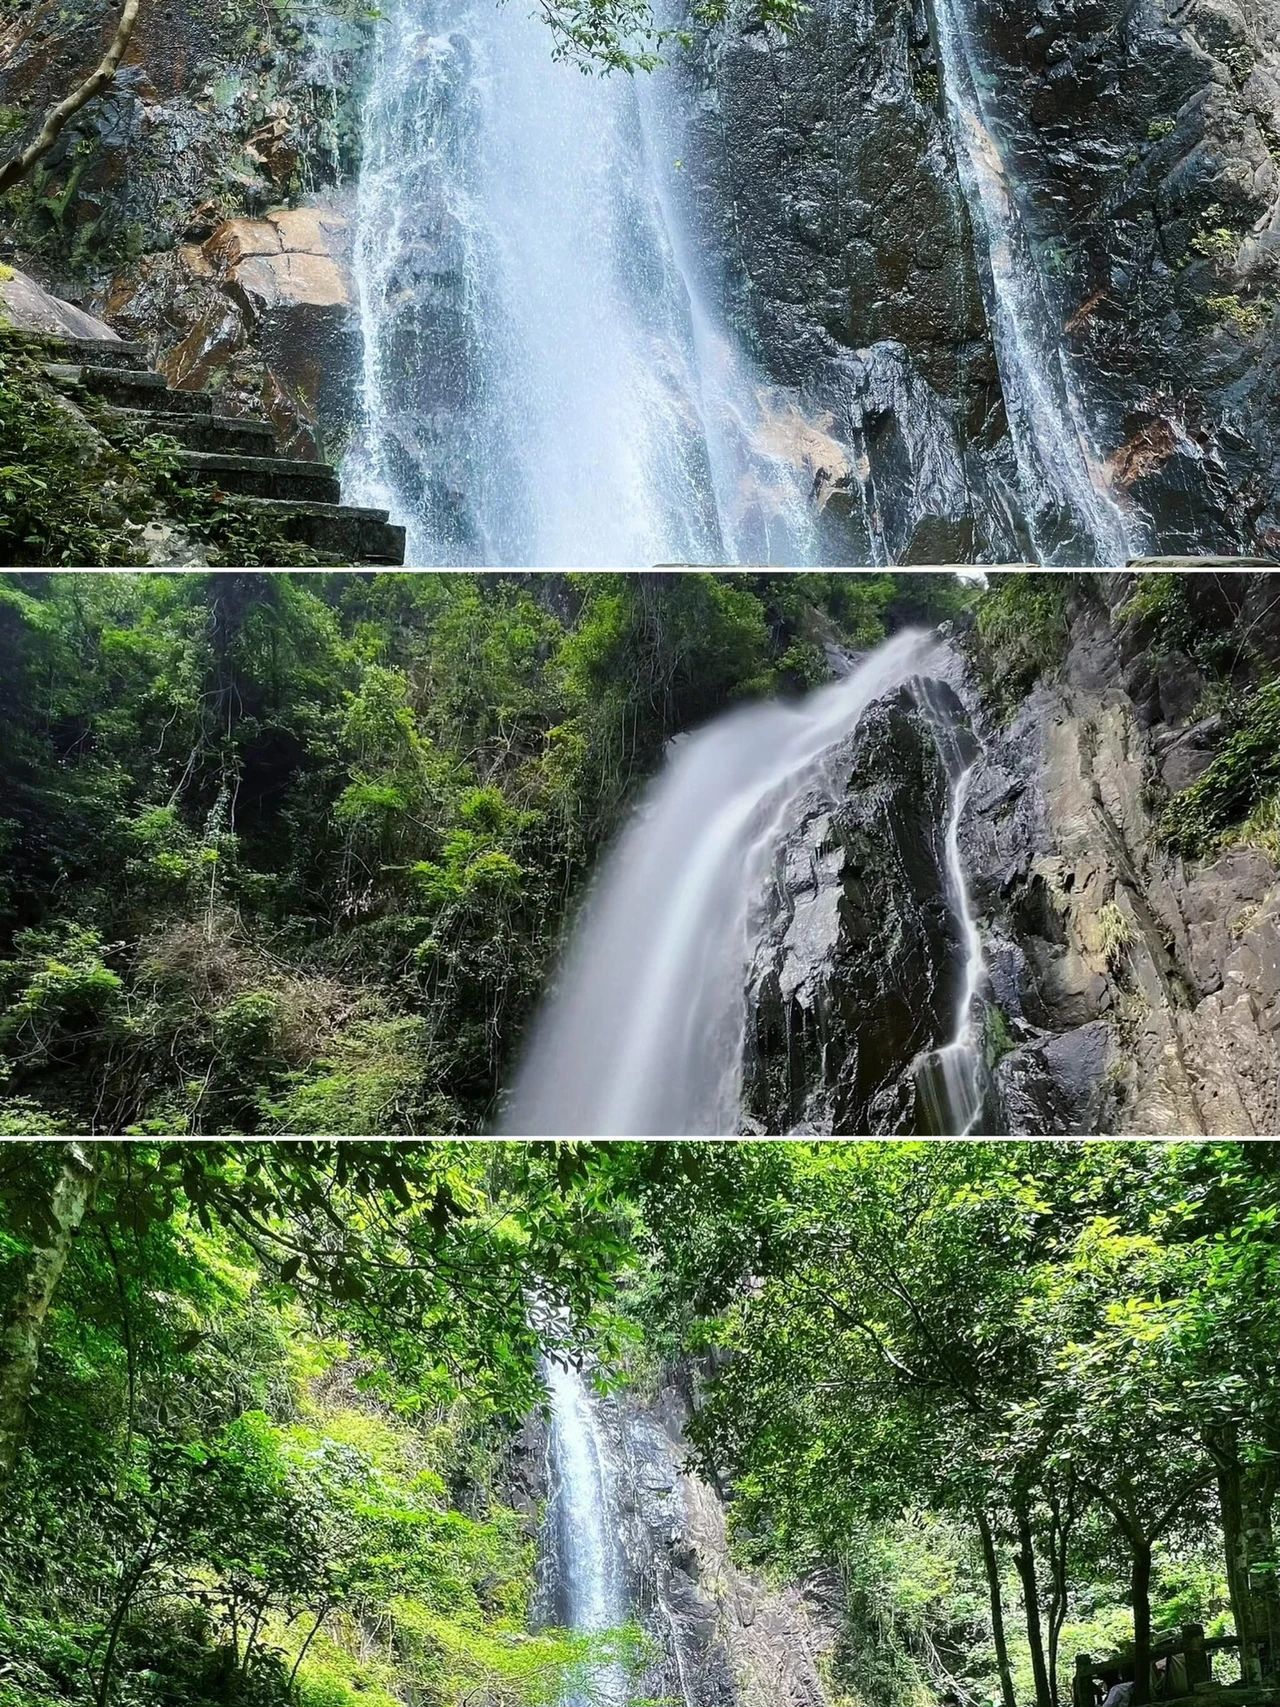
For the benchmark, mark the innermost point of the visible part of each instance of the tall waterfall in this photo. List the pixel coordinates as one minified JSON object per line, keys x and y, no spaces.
{"x":645,"y":1030}
{"x":543,"y":381}
{"x":587,"y":1565}
{"x":1073,"y":511}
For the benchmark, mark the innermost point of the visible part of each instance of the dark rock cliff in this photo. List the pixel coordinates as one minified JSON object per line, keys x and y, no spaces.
{"x":857,"y":972}
{"x":1139,"y":146}
{"x":722,"y":1638}
{"x":1125,"y":988}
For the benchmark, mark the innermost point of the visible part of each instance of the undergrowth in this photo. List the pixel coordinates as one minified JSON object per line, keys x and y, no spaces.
{"x":1236,"y":795}
{"x":79,"y":485}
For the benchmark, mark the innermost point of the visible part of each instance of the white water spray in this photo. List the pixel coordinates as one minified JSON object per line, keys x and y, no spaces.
{"x":645,"y":1030}
{"x":952,"y":1080}
{"x":543,"y":382}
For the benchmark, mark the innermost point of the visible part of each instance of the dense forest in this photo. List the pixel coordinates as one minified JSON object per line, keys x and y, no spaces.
{"x":292,"y":854}
{"x":264,"y":1410}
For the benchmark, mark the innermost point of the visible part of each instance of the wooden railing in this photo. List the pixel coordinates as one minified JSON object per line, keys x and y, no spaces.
{"x":1188,"y":1667}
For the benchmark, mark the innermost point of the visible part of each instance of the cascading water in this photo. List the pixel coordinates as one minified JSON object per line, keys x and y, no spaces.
{"x":952,"y":1080}
{"x":543,"y":383}
{"x":1072,"y":509}
{"x":588,"y":1570}
{"x":645,"y":1030}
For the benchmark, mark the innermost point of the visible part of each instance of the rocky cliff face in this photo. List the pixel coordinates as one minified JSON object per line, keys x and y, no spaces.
{"x":1137,"y":146}
{"x":1150,"y":985}
{"x":1126,"y":988}
{"x":857,"y":972}
{"x":723,"y":1639}
{"x":1134,"y":147}
{"x":201,"y":205}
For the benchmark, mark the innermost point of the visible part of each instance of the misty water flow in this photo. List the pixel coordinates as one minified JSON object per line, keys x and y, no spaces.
{"x":586,"y":1565}
{"x":543,"y":381}
{"x":1072,"y":509}
{"x":644,"y":1030}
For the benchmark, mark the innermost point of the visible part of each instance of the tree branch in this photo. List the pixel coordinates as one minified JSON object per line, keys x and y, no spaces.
{"x":57,"y":117}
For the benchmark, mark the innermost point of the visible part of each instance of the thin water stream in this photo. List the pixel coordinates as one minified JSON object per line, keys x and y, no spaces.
{"x":1073,"y":509}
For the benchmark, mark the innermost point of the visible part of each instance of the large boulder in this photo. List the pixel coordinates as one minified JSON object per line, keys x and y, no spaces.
{"x":27,"y":306}
{"x":261,"y":311}
{"x":858,"y":968}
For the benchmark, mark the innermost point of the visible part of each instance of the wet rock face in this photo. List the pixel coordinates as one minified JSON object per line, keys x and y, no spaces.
{"x":819,"y":174}
{"x":725,"y":1638}
{"x":199,"y":203}
{"x":261,"y":312}
{"x":1145,"y":142}
{"x":1140,"y":993}
{"x":1142,"y":144}
{"x":858,"y":969}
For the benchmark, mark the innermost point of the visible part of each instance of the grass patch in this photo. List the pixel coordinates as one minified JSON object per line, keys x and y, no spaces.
{"x":1023,"y":625}
{"x":1115,"y":933}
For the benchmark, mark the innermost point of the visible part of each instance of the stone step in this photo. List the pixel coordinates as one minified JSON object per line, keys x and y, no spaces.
{"x":75,"y":352}
{"x":131,"y":390}
{"x":340,"y":532}
{"x":101,"y":352}
{"x":229,"y":434}
{"x":264,"y":476}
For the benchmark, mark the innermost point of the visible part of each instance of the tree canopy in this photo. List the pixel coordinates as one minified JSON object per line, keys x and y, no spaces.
{"x":260,"y":1406}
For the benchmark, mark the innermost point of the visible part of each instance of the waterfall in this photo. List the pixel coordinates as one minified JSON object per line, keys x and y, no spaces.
{"x":645,"y":1029}
{"x":952,"y":1080}
{"x":544,"y":382}
{"x":587,"y":1565}
{"x":1073,"y":511}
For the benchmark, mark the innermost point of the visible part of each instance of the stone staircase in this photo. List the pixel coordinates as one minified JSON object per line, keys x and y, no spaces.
{"x":237,"y":454}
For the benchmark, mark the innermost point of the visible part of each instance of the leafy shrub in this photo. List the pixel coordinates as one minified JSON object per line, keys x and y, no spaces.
{"x":1023,"y":628}
{"x":1241,"y":776}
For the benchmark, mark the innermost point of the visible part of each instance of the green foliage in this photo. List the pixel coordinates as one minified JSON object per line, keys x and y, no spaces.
{"x":1240,"y":779}
{"x":323,"y":831}
{"x":1022,"y":626}
{"x":913,"y":1341}
{"x":78,"y":485}
{"x":1245,"y":318}
{"x":1115,"y":933}
{"x":239,"y":1489}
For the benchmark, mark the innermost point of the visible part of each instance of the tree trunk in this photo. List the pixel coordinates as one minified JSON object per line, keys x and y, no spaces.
{"x":302,"y":1651}
{"x":1246,"y":1497}
{"x":1259,"y":1564}
{"x":57,"y":117}
{"x":1026,"y":1563}
{"x":25,"y":1310}
{"x":1059,"y":1543}
{"x":1140,"y":1580}
{"x":992,"y":1568}
{"x":1226,"y":1457}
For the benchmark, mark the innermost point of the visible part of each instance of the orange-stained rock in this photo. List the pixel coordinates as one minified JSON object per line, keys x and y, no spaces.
{"x":295,"y":256}
{"x":261,"y":312}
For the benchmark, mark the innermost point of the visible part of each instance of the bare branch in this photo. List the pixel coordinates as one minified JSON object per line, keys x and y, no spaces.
{"x":56,"y":118}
